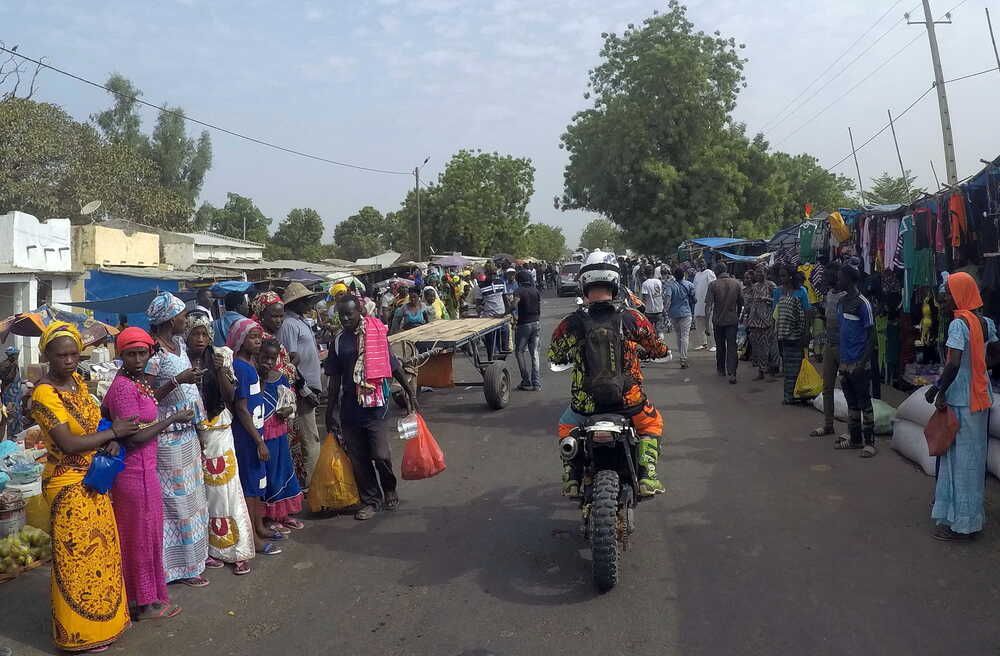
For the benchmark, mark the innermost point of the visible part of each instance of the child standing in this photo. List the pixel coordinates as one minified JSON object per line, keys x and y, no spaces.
{"x":282,"y":497}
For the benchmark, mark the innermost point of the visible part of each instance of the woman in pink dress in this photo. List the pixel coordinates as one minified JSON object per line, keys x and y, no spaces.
{"x":136,"y":495}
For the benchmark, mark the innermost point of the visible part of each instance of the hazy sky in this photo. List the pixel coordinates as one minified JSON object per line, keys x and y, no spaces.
{"x":385,"y":83}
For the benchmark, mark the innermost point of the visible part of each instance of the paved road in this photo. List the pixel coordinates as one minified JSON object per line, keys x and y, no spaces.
{"x":768,"y":542}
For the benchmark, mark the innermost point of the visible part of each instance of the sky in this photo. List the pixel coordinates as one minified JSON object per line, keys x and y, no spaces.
{"x":387,"y":83}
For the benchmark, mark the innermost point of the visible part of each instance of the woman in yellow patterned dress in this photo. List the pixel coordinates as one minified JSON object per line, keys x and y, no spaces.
{"x":89,"y":609}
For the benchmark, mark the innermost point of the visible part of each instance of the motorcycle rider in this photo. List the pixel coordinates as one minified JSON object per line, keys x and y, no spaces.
{"x":599,"y":279}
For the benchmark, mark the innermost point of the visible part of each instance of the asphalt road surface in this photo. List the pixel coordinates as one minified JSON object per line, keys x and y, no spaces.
{"x":767,"y":542}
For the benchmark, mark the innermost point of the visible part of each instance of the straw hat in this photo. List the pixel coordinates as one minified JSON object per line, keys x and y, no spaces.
{"x":296,"y":291}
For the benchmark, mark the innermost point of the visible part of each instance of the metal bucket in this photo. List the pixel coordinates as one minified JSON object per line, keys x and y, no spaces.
{"x":407,"y":427}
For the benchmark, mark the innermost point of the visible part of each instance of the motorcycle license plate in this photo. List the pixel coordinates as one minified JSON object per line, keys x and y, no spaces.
{"x":602,"y":436}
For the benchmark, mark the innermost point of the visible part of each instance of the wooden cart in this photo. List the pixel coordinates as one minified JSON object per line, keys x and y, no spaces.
{"x":431,"y":348}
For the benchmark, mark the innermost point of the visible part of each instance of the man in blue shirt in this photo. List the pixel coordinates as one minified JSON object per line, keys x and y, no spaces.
{"x":678,"y":299}
{"x":857,"y":340}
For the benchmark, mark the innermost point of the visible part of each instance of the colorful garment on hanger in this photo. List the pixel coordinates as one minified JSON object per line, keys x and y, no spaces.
{"x":891,"y":243}
{"x":959,"y":220}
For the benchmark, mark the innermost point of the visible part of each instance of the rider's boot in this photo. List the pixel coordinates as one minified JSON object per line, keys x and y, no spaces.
{"x":649,"y":453}
{"x":570,"y":481}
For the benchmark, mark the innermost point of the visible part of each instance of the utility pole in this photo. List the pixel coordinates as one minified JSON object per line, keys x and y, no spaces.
{"x":857,"y":167}
{"x":902,"y":171}
{"x":416,"y":177}
{"x":949,"y":142}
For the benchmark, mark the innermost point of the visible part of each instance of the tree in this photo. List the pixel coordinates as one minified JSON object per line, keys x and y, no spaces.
{"x":891,"y":190}
{"x":50,"y":165}
{"x":655,"y":153}
{"x":368,"y":233}
{"x":808,"y":182}
{"x":603,"y":234}
{"x":545,"y":242}
{"x":182,"y":162}
{"x":299,"y":236}
{"x":478,"y":205}
{"x":238,"y":218}
{"x":121,"y":123}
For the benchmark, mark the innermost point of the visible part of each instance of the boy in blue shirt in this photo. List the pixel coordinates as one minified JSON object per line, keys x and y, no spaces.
{"x":857,"y":342}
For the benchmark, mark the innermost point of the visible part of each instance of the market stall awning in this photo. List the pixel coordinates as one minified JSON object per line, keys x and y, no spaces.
{"x":740,"y":258}
{"x":131,"y":304}
{"x":718,"y":242}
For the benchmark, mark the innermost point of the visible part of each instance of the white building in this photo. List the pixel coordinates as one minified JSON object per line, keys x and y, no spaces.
{"x":183,"y":250}
{"x":35,"y":269}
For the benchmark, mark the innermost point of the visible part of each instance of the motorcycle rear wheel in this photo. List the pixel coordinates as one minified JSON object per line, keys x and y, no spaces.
{"x":604,"y":544}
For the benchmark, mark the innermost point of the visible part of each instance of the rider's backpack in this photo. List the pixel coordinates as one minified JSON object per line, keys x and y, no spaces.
{"x":603,"y":351}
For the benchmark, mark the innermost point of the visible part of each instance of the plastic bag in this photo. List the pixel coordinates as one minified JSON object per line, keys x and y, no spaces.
{"x":838,"y":228}
{"x":940,"y":431}
{"x":332,"y":486}
{"x":103,"y":470}
{"x":809,"y":384}
{"x":422,"y":457}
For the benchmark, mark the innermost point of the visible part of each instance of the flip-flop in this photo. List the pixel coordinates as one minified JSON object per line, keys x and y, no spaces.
{"x":293,"y":523}
{"x":844,"y":444}
{"x":195,"y":582}
{"x":270,"y":549}
{"x":869,"y":451}
{"x":275,"y":536}
{"x":242,"y":567}
{"x":165,"y":612}
{"x":365,"y":513}
{"x":213,"y":563}
{"x":820,"y":432}
{"x":279,"y":527}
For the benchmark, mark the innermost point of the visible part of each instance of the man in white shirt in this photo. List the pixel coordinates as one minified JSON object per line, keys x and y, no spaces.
{"x":703,"y":320}
{"x":652,"y":297}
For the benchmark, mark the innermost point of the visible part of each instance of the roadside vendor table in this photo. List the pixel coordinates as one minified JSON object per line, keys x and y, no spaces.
{"x":433,"y":346}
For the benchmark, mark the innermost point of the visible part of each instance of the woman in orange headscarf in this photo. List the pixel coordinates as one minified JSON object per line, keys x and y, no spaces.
{"x":964,"y":387}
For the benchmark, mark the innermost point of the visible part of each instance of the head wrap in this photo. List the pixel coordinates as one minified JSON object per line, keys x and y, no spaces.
{"x":199,"y":320}
{"x":164,"y":307}
{"x":238,"y":333}
{"x":965,"y":293}
{"x":338,"y":288}
{"x":58,"y":329}
{"x":132,"y":337}
{"x":266,"y":299}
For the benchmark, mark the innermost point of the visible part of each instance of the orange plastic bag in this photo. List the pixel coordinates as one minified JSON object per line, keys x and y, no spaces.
{"x":422,"y":457}
{"x":941,"y":431}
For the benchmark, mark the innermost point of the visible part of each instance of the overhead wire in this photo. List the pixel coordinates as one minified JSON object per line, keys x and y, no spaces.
{"x":218,"y":128}
{"x":774,"y":121}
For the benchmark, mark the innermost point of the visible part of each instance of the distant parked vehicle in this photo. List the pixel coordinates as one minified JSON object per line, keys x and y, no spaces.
{"x":567,"y":284}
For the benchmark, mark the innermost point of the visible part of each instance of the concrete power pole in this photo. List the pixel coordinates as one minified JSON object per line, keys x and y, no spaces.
{"x":949,"y":142}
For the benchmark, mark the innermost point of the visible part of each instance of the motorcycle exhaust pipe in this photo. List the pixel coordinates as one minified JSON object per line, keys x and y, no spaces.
{"x":568,"y":448}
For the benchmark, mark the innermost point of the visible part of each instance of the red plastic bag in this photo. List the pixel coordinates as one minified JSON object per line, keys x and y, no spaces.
{"x":940,"y":431}
{"x":422,"y":457}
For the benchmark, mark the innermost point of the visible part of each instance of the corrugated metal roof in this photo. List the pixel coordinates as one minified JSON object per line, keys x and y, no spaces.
{"x":151,"y":272}
{"x":210,"y":239}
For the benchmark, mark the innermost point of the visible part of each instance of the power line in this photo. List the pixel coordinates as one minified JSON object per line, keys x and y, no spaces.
{"x":819,"y":77}
{"x":218,"y":128}
{"x":838,"y":100}
{"x":966,"y":77}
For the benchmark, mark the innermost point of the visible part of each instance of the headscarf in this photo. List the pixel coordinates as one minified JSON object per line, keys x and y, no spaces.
{"x":965,"y":293}
{"x":132,"y":337}
{"x":58,"y":329}
{"x":238,"y":333}
{"x":164,"y":307}
{"x":338,"y":288}
{"x":264,"y":300}
{"x":199,"y":320}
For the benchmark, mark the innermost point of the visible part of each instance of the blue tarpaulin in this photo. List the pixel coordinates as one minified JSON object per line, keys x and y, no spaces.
{"x":717,"y":242}
{"x":116,"y":287}
{"x":220,"y":289}
{"x":738,"y":258}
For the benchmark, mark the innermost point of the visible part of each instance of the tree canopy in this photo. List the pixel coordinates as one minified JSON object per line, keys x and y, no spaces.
{"x":367,"y":233}
{"x":890,"y":190}
{"x":544,"y":242}
{"x":603,"y":234}
{"x":299,"y":237}
{"x":238,"y":218}
{"x":659,"y":154}
{"x":478,"y":205}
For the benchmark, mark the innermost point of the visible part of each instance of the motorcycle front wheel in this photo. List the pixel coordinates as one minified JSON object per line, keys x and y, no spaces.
{"x":604,"y":543}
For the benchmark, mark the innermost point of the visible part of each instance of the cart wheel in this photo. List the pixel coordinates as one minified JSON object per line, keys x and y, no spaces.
{"x":496,"y":385}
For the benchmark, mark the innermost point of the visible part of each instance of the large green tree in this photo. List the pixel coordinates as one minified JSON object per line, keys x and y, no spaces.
{"x":368,"y":233}
{"x":810,"y":183}
{"x":299,"y":236}
{"x":544,"y":242}
{"x":121,"y":122}
{"x":478,"y":205}
{"x":50,"y":165}
{"x":891,"y":190}
{"x":238,"y":218}
{"x":603,"y":234}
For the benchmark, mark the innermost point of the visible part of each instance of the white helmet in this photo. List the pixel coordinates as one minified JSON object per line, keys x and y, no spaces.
{"x":600,"y":268}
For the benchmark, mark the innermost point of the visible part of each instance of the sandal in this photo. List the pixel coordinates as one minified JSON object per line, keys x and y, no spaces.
{"x":96,"y":650}
{"x":293,"y":523}
{"x":366,"y":513}
{"x":391,"y":501}
{"x":213,"y":563}
{"x":274,"y":536}
{"x":869,"y":451}
{"x":164,"y":612}
{"x":945,"y":533}
{"x":195,"y":582}
{"x":270,"y":549}
{"x":820,"y":432}
{"x":279,"y":527}
{"x":242,"y":567}
{"x":844,"y":443}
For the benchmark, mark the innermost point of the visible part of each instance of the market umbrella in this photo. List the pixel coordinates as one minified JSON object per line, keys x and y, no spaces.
{"x":32,"y":324}
{"x":405,"y":282}
{"x":301,"y":275}
{"x":348,"y":279}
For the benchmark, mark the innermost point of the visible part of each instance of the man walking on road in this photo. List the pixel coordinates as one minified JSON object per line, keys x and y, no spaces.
{"x":724,"y":302}
{"x":652,"y":297}
{"x":703,"y":320}
{"x":529,"y":310}
{"x":678,"y":296}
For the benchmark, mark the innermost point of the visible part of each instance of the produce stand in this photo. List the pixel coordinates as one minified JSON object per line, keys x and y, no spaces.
{"x":433,"y":345}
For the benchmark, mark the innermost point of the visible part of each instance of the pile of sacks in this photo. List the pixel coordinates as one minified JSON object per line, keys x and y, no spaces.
{"x":883,"y":411}
{"x":908,"y":433}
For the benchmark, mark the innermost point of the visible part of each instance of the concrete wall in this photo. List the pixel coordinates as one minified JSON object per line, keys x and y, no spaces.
{"x":33,"y":244}
{"x":220,"y":253}
{"x":95,"y":245}
{"x":178,"y":254}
